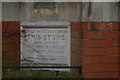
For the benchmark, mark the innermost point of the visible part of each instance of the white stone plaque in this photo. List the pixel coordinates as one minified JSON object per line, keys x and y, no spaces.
{"x":46,"y":46}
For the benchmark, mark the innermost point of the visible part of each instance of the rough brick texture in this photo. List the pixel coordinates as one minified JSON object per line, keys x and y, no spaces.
{"x":75,"y":48}
{"x":10,"y":44}
{"x":94,"y":46}
{"x":98,"y":48}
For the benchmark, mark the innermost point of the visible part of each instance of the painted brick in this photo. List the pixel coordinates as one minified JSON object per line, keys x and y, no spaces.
{"x":93,"y":51}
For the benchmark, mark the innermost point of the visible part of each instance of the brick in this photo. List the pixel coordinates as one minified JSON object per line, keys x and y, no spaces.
{"x":81,"y":26}
{"x":103,"y":26}
{"x":119,"y":42}
{"x":99,"y":60}
{"x":11,"y":44}
{"x":98,"y":26}
{"x":112,"y":67}
{"x":99,"y":34}
{"x":111,"y":34}
{"x":119,"y":70}
{"x":0,"y":23}
{"x":4,"y":25}
{"x":75,"y":49}
{"x":10,"y":32}
{"x":75,"y":42}
{"x":93,"y":51}
{"x":7,"y":39}
{"x":86,"y":26}
{"x":105,"y":43}
{"x":10,"y":28}
{"x":75,"y":33}
{"x":75,"y":60}
{"x":106,"y":26}
{"x":116,"y":26}
{"x":93,"y":68}
{"x":115,"y":43}
{"x":110,"y":59}
{"x":87,"y":43}
{"x":112,"y":51}
{"x":99,"y":43}
{"x":11,"y":40}
{"x":14,"y":56}
{"x":75,"y":25}
{"x":16,"y":39}
{"x":87,"y":60}
{"x":10,"y":25}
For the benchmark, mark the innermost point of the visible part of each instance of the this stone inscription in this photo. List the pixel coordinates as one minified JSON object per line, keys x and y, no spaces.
{"x":46,"y":46}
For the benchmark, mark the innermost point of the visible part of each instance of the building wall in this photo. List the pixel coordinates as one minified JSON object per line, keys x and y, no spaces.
{"x":62,"y":12}
{"x":11,"y":11}
{"x":100,"y":11}
{"x":10,"y":44}
{"x":0,"y":39}
{"x":99,"y":40}
{"x":94,"y":33}
{"x":99,"y":49}
{"x":10,"y":35}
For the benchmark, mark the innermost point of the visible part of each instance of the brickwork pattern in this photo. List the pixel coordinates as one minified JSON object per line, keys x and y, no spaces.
{"x":10,"y":44}
{"x":98,"y":50}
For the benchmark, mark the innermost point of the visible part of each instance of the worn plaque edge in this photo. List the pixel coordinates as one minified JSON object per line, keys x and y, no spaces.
{"x":45,"y":24}
{"x":49,"y":25}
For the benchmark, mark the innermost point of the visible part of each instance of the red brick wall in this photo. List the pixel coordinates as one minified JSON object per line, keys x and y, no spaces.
{"x":10,"y":43}
{"x":98,"y":49}
{"x":75,"y":49}
{"x":94,"y":46}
